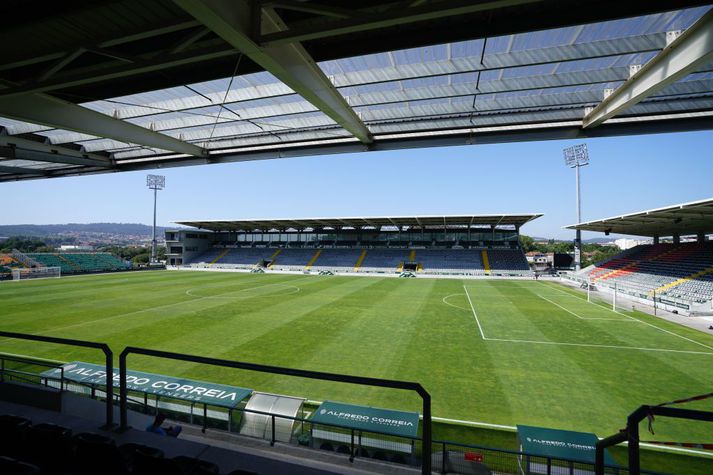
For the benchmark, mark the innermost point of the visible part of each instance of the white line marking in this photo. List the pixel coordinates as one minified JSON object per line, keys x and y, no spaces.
{"x":473,"y":423}
{"x":513,"y":428}
{"x":474,"y":314}
{"x":634,"y":318}
{"x":584,"y":318}
{"x":585,"y":345}
{"x":560,"y":306}
{"x":294,"y":290}
{"x":445,"y":301}
{"x":674,"y":449}
{"x":593,"y":345}
{"x":88,"y":322}
{"x":669,"y":332}
{"x":606,"y":307}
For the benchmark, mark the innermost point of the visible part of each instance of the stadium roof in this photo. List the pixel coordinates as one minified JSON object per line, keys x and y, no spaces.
{"x":362,"y":222}
{"x":684,"y":219}
{"x":145,"y":85}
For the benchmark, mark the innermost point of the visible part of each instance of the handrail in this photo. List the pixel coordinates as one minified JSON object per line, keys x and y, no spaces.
{"x":365,"y":381}
{"x":108,"y":356}
{"x":630,"y":433}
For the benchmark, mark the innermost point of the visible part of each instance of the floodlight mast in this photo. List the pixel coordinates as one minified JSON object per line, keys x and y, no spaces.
{"x":155,"y":183}
{"x":576,"y":157}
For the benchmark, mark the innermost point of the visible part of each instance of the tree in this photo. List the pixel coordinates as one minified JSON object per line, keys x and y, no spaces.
{"x":527,"y":243}
{"x":598,"y":253}
{"x":22,"y":244}
{"x":141,"y":258}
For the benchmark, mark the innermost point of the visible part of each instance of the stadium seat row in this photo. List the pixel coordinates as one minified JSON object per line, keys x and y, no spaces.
{"x":454,"y":261}
{"x":76,"y":262}
{"x":52,"y":449}
{"x":683,"y":271}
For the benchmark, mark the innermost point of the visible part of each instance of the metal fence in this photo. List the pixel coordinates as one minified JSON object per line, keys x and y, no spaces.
{"x":103,"y":347}
{"x":317,"y":375}
{"x":436,"y":455}
{"x":446,"y":456}
{"x":26,"y":370}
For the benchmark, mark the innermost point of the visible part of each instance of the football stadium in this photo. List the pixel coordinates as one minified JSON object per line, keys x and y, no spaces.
{"x":354,"y":344}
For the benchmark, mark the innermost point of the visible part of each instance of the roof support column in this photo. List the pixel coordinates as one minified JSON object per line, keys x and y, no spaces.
{"x":656,"y":239}
{"x":701,"y":238}
{"x":676,"y":238}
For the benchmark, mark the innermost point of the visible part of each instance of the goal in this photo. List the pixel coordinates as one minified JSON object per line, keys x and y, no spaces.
{"x":36,"y":273}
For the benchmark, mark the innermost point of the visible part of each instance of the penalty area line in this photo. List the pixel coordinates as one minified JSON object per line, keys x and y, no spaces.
{"x":586,"y":318}
{"x":474,"y":314}
{"x":634,"y":318}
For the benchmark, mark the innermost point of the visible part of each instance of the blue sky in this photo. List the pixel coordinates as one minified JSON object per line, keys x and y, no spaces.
{"x":627,"y":174}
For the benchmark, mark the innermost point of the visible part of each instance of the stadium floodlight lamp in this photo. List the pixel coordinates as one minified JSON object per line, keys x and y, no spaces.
{"x":155,"y":183}
{"x":576,"y":156}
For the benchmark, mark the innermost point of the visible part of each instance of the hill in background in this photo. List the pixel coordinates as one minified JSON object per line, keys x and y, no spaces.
{"x":95,"y":234}
{"x":131,"y":229}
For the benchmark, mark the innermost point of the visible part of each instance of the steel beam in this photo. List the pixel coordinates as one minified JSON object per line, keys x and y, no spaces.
{"x":44,"y":152}
{"x":49,"y":157}
{"x":314,"y":8}
{"x":687,"y":53}
{"x":53,"y":112}
{"x":399,"y":14}
{"x":52,"y":80}
{"x":231,"y":20}
{"x":103,"y":44}
{"x":22,"y":171}
{"x":570,"y":130}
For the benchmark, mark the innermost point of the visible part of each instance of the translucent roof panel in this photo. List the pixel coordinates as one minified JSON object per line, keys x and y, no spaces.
{"x":550,"y":77}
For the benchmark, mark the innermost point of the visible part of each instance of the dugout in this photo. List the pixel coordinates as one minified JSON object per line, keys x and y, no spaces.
{"x":556,"y":451}
{"x":271,"y":416}
{"x":364,"y":430}
{"x":185,"y":399}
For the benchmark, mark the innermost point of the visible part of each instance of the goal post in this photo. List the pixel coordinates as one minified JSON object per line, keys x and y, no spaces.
{"x":609,"y":295}
{"x":37,"y":273}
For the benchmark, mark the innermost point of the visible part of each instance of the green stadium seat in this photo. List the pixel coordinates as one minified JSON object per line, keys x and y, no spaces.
{"x":76,"y":262}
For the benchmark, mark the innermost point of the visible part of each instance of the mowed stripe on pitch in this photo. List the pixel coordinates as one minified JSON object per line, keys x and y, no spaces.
{"x":284,"y":332}
{"x":367,"y":325}
{"x":556,"y":323}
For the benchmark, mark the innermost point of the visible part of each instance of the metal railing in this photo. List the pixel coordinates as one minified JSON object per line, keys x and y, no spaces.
{"x":383,"y":383}
{"x":108,"y":358}
{"x":448,"y":456}
{"x":630,"y":433}
{"x":12,"y":374}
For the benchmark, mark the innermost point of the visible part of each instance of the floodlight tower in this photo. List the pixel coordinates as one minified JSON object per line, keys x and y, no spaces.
{"x":576,"y":157}
{"x":155,"y":183}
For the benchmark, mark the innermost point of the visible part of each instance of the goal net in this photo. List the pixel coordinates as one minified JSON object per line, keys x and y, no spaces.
{"x":36,"y":273}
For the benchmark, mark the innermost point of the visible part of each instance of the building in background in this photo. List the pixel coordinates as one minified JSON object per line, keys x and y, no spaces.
{"x":72,"y":247}
{"x":626,"y":243}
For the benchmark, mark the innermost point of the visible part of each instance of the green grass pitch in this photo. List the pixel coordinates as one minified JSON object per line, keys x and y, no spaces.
{"x":495,"y":351}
